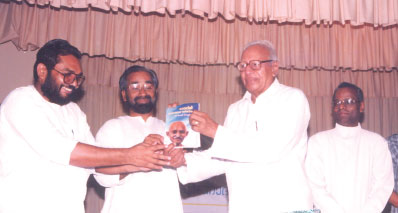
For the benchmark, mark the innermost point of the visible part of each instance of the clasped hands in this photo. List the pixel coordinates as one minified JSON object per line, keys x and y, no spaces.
{"x":155,"y":154}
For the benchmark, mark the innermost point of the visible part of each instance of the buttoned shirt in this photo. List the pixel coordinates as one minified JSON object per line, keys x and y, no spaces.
{"x":261,"y":148}
{"x":144,"y":192}
{"x":36,"y":140}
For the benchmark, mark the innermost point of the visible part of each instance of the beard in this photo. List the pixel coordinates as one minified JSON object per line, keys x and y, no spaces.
{"x":52,"y":92}
{"x":141,"y":108}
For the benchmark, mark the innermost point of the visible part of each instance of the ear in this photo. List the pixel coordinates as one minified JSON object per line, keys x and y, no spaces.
{"x":362,"y":106}
{"x":42,"y":72}
{"x":124,"y":95}
{"x":275,"y":68}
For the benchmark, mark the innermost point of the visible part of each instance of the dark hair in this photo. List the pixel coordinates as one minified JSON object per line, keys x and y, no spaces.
{"x":359,"y":93}
{"x":123,"y":79}
{"x":50,"y":52}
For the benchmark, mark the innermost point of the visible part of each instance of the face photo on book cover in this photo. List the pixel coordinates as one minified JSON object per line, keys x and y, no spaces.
{"x":177,"y":132}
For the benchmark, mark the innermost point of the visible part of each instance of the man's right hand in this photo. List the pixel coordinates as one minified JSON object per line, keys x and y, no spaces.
{"x":153,"y":139}
{"x":148,"y":156}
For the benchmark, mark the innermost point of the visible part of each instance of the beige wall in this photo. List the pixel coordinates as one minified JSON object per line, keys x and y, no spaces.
{"x":16,"y":68}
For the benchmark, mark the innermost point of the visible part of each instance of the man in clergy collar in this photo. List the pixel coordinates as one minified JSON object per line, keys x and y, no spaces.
{"x":349,"y":169}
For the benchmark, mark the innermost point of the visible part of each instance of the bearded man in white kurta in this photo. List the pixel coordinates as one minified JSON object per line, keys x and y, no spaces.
{"x":349,"y":168}
{"x":147,"y":191}
{"x":262,"y":145}
{"x":46,"y":143}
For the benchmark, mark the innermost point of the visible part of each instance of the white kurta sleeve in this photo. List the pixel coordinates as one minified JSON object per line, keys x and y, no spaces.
{"x":199,"y":167}
{"x":282,"y":128}
{"x":316,"y":179}
{"x":34,"y":121}
{"x":383,"y":179}
{"x":110,"y":135}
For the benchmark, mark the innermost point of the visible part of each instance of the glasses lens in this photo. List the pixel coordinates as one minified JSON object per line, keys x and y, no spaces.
{"x":137,"y":86}
{"x":148,"y":86}
{"x":350,"y":101}
{"x":241,"y":66}
{"x":255,"y":65}
{"x":346,"y":102}
{"x":69,"y":77}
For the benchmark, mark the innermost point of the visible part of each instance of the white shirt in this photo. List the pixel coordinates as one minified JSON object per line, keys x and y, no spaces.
{"x":144,"y":192}
{"x":349,"y":170}
{"x":36,"y":141}
{"x":261,"y":148}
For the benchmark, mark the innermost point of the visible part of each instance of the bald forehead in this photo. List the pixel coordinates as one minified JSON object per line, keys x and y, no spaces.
{"x":177,"y":125}
{"x":255,"y":50}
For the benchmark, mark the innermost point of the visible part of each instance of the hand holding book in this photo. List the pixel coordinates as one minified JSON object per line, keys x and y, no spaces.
{"x":178,"y":128}
{"x":202,"y":123}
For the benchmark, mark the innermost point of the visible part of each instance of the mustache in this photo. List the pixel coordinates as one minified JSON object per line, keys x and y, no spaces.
{"x":143,"y":97}
{"x":177,"y":137}
{"x":73,"y":88}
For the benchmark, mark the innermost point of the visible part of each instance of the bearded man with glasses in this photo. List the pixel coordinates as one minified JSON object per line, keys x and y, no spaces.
{"x":349,"y":169}
{"x":262,"y":144}
{"x":47,"y":151}
{"x":151,"y":191}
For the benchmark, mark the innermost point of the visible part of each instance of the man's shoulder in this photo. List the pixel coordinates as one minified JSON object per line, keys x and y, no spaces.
{"x":128,"y":120}
{"x":321,"y":134}
{"x":26,"y":91}
{"x":117,"y":120}
{"x":288,"y":90}
{"x":21,"y":97}
{"x":372,"y":136}
{"x":111,"y":125}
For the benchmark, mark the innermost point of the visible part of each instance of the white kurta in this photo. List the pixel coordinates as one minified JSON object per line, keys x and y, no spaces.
{"x":36,"y":141}
{"x":349,"y":170}
{"x":261,"y":149}
{"x":144,"y":192}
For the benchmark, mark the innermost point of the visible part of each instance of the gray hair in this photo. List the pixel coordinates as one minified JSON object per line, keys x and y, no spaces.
{"x":267,"y":45}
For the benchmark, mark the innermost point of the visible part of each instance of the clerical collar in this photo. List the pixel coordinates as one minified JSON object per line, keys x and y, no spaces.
{"x":348,"y":131}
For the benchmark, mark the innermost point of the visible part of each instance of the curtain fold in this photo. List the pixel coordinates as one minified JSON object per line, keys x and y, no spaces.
{"x":216,"y":87}
{"x":191,"y":40}
{"x":355,"y":12}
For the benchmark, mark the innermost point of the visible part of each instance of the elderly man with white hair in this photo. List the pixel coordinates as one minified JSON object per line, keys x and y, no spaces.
{"x":262,"y":145}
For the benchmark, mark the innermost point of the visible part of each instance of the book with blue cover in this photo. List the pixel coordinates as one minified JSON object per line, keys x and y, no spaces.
{"x":178,"y":129}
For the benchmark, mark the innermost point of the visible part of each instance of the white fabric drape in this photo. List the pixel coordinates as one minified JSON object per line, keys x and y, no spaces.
{"x":355,"y":12}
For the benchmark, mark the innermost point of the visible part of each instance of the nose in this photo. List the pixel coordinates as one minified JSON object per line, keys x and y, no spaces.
{"x":341,"y":106}
{"x":142,"y":91}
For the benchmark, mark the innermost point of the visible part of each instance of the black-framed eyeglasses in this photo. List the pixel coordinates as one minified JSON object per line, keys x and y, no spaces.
{"x":253,"y":64}
{"x":345,"y":102}
{"x":137,"y":86}
{"x":70,"y":77}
